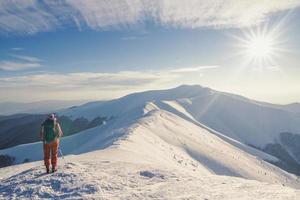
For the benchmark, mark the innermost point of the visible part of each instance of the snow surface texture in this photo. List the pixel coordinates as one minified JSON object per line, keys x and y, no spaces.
{"x":109,"y":180}
{"x":147,"y":153}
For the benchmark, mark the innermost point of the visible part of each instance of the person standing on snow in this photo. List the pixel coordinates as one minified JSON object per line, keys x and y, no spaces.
{"x":50,"y":134}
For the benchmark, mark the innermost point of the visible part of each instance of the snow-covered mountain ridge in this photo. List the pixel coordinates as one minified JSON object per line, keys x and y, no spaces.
{"x":153,"y":147}
{"x":148,"y":153}
{"x":259,"y":124}
{"x":271,"y":128}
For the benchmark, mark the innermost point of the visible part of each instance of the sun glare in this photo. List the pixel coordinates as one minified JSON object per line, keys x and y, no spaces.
{"x":260,"y":47}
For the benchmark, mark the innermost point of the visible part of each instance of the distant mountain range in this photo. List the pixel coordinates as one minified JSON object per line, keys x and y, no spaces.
{"x":293,"y":107}
{"x":40,"y":107}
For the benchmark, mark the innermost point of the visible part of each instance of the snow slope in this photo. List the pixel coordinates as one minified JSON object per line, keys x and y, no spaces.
{"x":242,"y":119}
{"x":147,"y":153}
{"x":117,"y":107}
{"x":85,"y":177}
{"x":236,"y":119}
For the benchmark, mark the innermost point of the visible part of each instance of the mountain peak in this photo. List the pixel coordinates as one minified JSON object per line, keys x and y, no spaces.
{"x":186,"y":86}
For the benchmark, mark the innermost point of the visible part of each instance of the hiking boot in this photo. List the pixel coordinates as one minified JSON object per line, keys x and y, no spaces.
{"x":47,"y":170}
{"x":54,"y":169}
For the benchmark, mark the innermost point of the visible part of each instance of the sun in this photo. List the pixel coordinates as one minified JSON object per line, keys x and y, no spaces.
{"x":260,"y":47}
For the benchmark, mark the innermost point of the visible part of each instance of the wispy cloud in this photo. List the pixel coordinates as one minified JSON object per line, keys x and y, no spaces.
{"x":16,"y":49}
{"x":26,"y":58}
{"x":99,"y":79}
{"x":81,"y":80}
{"x":16,"y":66}
{"x":91,"y":85}
{"x":20,"y":62}
{"x":194,"y":69}
{"x":29,"y":17}
{"x":218,"y":13}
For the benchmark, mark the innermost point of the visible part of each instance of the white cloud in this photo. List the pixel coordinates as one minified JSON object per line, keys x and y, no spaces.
{"x":26,"y":58}
{"x":98,"y":79}
{"x":25,"y":17}
{"x":16,"y":49}
{"x":28,"y":17}
{"x":88,"y":85}
{"x":16,"y":66}
{"x":100,"y":14}
{"x":80,"y":80}
{"x":218,"y":13}
{"x":194,"y":69}
{"x":21,"y":63}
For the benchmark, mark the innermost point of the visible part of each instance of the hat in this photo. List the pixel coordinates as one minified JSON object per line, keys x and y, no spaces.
{"x":52,"y":116}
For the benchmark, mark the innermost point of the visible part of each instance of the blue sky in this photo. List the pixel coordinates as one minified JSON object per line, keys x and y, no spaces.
{"x":106,"y":49}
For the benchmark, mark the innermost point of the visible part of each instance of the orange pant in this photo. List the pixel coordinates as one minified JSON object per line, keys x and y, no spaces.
{"x":53,"y":149}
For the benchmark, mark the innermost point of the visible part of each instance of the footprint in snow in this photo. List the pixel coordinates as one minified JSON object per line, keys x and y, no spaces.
{"x":149,"y":174}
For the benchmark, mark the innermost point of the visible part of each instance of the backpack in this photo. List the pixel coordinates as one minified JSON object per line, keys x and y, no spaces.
{"x":49,"y":130}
